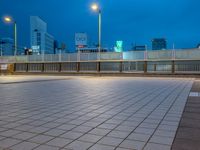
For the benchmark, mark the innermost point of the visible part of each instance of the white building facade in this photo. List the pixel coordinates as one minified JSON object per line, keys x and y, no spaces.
{"x":41,"y":41}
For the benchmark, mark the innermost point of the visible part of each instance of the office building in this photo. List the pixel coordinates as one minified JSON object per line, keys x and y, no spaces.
{"x":92,"y":50}
{"x":6,"y":47}
{"x":140,"y":48}
{"x":198,"y":46}
{"x":41,"y":40}
{"x":159,"y":44}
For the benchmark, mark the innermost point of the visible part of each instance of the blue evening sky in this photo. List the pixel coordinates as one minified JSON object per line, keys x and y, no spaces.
{"x":133,"y":21}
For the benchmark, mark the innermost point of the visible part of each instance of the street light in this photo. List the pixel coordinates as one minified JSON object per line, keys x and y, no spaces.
{"x":10,"y":20}
{"x":96,"y":8}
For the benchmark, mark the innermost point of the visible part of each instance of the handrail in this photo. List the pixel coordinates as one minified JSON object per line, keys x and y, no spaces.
{"x":162,"y":55}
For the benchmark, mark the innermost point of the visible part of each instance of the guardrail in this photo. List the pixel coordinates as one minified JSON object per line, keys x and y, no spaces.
{"x":192,"y":54}
{"x":168,"y":67}
{"x":170,"y":61}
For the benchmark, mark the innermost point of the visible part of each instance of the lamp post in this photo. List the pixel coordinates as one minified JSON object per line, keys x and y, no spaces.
{"x":9,"y":20}
{"x":96,"y":8}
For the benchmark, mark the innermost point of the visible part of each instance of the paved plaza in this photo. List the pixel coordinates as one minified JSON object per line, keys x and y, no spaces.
{"x":94,"y":113}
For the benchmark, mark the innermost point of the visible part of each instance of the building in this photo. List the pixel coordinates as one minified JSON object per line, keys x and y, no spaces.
{"x":159,"y":44}
{"x":140,"y":48}
{"x":92,"y":50}
{"x":41,"y":41}
{"x":6,"y":47}
{"x":81,"y":40}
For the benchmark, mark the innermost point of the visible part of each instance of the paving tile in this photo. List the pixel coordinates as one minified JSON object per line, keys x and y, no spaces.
{"x":8,"y":142}
{"x":40,"y":139}
{"x":59,"y":142}
{"x":39,"y":130}
{"x":130,"y":144}
{"x":46,"y":147}
{"x":9,"y":133}
{"x":144,"y":130}
{"x":82,"y":129}
{"x":1,"y":138}
{"x":119,"y":148}
{"x":90,"y":138}
{"x":72,"y":135}
{"x":101,"y":147}
{"x":91,"y":124}
{"x":51,"y":125}
{"x":162,"y":140}
{"x":107,"y":126}
{"x":24,"y":135}
{"x":118,"y":134}
{"x":66,"y":127}
{"x":153,"y":146}
{"x":168,"y":128}
{"x":79,"y":145}
{"x":98,"y":131}
{"x":24,"y":146}
{"x":110,"y":141}
{"x":139,"y":137}
{"x":55,"y":132}
{"x":165,"y":133}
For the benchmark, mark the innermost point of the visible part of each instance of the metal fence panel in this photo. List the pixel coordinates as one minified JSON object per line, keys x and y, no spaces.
{"x":161,"y":55}
{"x":20,"y":67}
{"x":111,"y":56}
{"x":188,"y":54}
{"x":187,"y":66}
{"x":165,"y":66}
{"x":134,"y":55}
{"x":35,"y":67}
{"x":69,"y":67}
{"x":110,"y":66}
{"x":133,"y":67}
{"x":50,"y":67}
{"x":88,"y":66}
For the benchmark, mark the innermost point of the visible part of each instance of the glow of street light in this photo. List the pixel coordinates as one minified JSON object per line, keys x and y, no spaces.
{"x":94,"y":7}
{"x":7,"y":19}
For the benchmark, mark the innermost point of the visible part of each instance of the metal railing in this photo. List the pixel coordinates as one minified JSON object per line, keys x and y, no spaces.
{"x":191,"y":54}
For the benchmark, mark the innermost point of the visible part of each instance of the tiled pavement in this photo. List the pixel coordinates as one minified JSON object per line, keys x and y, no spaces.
{"x":92,"y":113}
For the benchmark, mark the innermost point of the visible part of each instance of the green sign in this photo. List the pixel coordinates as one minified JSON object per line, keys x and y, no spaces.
{"x":119,"y":46}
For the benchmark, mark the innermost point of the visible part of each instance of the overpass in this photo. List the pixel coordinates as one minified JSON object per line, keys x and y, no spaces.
{"x":165,"y":62}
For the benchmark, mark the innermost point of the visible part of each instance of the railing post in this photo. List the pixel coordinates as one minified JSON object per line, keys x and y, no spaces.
{"x":173,"y":66}
{"x":78,"y":66}
{"x":27,"y":67}
{"x":98,"y":66}
{"x":59,"y":67}
{"x":155,"y":67}
{"x":14,"y":67}
{"x":145,"y":66}
{"x":121,"y":67}
{"x":43,"y":67}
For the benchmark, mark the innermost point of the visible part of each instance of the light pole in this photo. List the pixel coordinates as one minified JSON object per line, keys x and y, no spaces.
{"x":96,"y":8}
{"x":9,"y":20}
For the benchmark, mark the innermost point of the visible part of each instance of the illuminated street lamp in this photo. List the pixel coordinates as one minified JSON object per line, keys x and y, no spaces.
{"x":10,"y":20}
{"x":96,"y":8}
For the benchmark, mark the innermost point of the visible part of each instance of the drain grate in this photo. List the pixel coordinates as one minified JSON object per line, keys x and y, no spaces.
{"x":194,"y":94}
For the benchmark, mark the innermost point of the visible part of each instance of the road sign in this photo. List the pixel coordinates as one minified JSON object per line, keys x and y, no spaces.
{"x":81,"y":39}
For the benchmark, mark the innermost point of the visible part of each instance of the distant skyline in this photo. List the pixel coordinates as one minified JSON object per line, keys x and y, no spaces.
{"x":133,"y":21}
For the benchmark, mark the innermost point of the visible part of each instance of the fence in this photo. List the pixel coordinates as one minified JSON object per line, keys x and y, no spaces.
{"x":170,"y":61}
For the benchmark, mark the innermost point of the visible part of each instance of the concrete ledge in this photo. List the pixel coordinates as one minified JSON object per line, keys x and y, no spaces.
{"x":177,"y":75}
